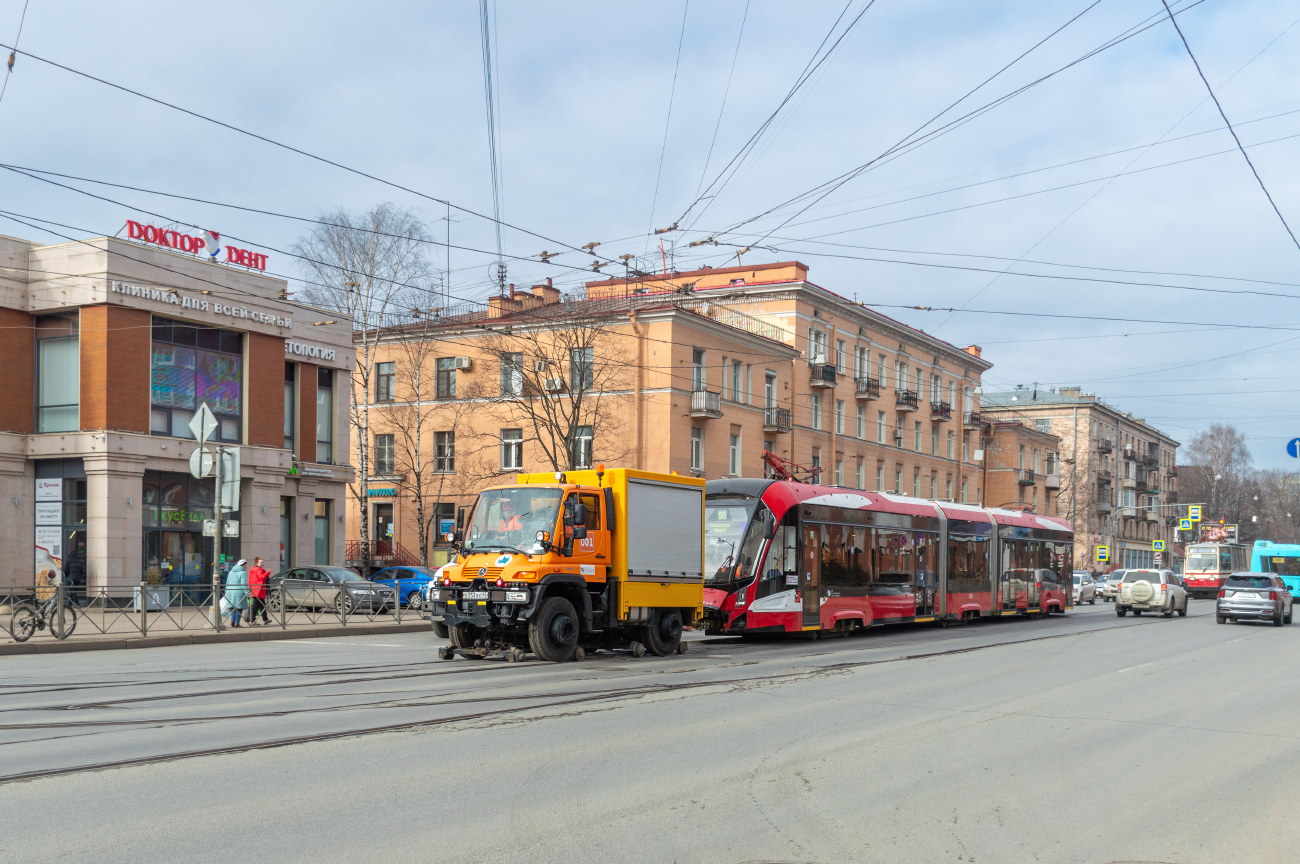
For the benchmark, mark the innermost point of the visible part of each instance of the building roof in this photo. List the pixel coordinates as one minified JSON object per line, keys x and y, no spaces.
{"x":1030,"y":399}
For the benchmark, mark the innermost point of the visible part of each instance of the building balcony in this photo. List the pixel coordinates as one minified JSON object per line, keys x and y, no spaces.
{"x":1103,"y":507}
{"x":821,"y":375}
{"x":1153,"y":487}
{"x":1104,"y":446}
{"x":1053,"y":481}
{"x":776,"y":419}
{"x":706,"y":403}
{"x":971,"y":419}
{"x":1129,"y":453}
{"x":1171,"y":497}
{"x":941,"y":410}
{"x":905,"y":400}
{"x":1103,"y":475}
{"x":1128,"y":512}
{"x":1025,"y":477}
{"x":1128,"y":483}
{"x":1172,"y":471}
{"x":868,"y":388}
{"x":1151,"y":515}
{"x":1151,"y":460}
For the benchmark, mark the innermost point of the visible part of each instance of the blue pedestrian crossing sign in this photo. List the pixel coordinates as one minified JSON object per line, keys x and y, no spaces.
{"x":1184,"y":524}
{"x":1103,"y":554}
{"x":1293,"y":448}
{"x":1157,"y":545}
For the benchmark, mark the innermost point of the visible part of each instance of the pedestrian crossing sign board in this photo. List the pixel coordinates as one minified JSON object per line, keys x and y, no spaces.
{"x":1194,"y":512}
{"x":1103,"y":554}
{"x":1184,"y":524}
{"x":1158,"y":545}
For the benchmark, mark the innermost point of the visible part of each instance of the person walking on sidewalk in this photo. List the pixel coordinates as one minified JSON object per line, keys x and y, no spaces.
{"x":257,"y":588}
{"x":236,"y":591}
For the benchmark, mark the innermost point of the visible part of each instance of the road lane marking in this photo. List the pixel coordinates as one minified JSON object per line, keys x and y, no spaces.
{"x":1135,"y":667}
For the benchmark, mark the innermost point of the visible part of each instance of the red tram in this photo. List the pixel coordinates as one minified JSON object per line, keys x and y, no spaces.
{"x":786,"y":557}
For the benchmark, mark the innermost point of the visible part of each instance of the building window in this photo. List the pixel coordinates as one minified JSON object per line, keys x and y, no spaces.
{"x":839,"y":472}
{"x":916,"y":484}
{"x":967,"y":400}
{"x":951,"y":436}
{"x":174,"y":508}
{"x":861,"y":475}
{"x":733,"y":461}
{"x":322,"y":531}
{"x":816,"y":346}
{"x":726,"y":378}
{"x":290,"y":406}
{"x":582,"y":446}
{"x":963,"y":491}
{"x":1051,"y":463}
{"x":512,"y":374}
{"x":325,"y":416}
{"x":934,"y":486}
{"x":880,"y":479}
{"x":286,"y":533}
{"x":817,"y":457}
{"x":898,"y":481}
{"x":816,"y":412}
{"x":952,"y":394}
{"x":697,"y":448}
{"x":1022,"y":457}
{"x":947,"y":488}
{"x":737,"y":382}
{"x":512,"y":449}
{"x":1043,"y":424}
{"x":898,"y":432}
{"x":965,"y":447}
{"x":60,"y":493}
{"x":446,"y":384}
{"x":880,"y":427}
{"x":384,"y":447}
{"x":385,"y":382}
{"x":916,"y":436}
{"x":881,"y":369}
{"x":190,"y":366}
{"x":58,"y":374}
{"x":699,"y":374}
{"x":582,"y":368}
{"x":444,"y":452}
{"x":862,"y":363}
{"x":839,"y":416}
{"x":769,"y":390}
{"x":934,"y":440}
{"x":839,"y":356}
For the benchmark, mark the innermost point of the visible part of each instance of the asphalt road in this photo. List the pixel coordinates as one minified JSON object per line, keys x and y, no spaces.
{"x":1080,"y":738}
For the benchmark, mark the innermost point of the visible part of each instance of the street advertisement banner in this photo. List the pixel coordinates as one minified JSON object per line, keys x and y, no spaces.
{"x":1215,"y":533}
{"x":48,"y":561}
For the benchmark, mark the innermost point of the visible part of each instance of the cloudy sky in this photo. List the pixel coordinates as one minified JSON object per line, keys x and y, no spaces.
{"x":1114,"y":171}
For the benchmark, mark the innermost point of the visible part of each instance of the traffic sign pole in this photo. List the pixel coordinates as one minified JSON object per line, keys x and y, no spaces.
{"x":216,"y":545}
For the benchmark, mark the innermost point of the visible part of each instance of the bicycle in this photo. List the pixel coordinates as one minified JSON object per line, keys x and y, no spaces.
{"x":30,"y":616}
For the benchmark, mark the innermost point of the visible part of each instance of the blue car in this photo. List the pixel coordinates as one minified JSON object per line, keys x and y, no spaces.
{"x":410,"y":582}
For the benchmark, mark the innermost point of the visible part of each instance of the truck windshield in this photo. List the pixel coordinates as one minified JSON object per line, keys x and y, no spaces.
{"x":730,"y":552}
{"x":509,"y":519}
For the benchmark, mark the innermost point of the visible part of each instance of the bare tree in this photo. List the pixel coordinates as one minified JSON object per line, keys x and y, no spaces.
{"x":564,"y":378}
{"x":1279,"y":512}
{"x":370,"y":270}
{"x":1218,"y":472}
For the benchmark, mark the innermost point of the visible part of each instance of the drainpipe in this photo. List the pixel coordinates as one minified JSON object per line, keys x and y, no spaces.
{"x":640,"y":377}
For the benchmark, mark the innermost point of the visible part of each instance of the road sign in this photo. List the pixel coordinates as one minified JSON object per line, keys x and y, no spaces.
{"x":230,"y":480}
{"x":1159,"y":558}
{"x":229,"y":528}
{"x":1103,"y":554}
{"x":202,"y":463}
{"x":1293,"y":448}
{"x":1194,"y":512}
{"x":209,"y":527}
{"x":1184,"y":524}
{"x":203,"y":424}
{"x":1158,"y":546}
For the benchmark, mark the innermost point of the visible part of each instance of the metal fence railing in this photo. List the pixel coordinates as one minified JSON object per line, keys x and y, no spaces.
{"x":62,"y":612}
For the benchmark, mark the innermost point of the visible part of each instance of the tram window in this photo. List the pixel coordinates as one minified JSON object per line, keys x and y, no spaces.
{"x":782,"y":558}
{"x":968,"y":563}
{"x":894,"y":557}
{"x":842,"y":560}
{"x":927,"y":559}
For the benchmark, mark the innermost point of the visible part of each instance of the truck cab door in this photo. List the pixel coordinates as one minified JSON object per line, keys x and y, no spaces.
{"x":592,"y":552}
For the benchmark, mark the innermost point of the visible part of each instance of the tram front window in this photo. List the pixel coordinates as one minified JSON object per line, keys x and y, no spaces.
{"x":729,"y":550}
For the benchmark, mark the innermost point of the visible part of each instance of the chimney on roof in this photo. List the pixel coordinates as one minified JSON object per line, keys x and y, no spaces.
{"x":548,"y":293}
{"x":503,"y":305}
{"x":1071,"y":391}
{"x":973,"y":350}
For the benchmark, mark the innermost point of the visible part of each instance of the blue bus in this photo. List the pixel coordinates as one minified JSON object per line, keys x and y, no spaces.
{"x":1280,"y":558}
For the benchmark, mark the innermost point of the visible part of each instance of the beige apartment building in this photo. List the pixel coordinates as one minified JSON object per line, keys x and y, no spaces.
{"x":697,"y":372}
{"x":1118,"y":475}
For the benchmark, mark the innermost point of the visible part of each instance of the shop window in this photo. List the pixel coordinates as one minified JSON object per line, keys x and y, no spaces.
{"x":60,"y":540}
{"x":58,"y":374}
{"x":286,"y":533}
{"x":325,"y":416}
{"x":322,"y":531}
{"x":190,"y":366}
{"x":174,"y":508}
{"x":290,"y":406}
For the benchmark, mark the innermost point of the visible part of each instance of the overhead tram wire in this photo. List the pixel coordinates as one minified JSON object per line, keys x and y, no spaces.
{"x":292,"y":149}
{"x":494,"y":161}
{"x":731,"y":169}
{"x":663,"y":148}
{"x":725,"y":93}
{"x":1228,"y":123}
{"x":9,"y":71}
{"x":910,"y":143}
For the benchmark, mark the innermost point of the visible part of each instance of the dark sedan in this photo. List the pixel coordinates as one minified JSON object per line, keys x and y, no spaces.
{"x":327,"y":587}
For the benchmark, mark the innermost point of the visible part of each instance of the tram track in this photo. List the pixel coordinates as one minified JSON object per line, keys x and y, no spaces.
{"x":537,"y":702}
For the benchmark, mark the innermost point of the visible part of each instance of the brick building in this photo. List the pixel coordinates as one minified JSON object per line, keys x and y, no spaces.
{"x":1118,"y":474}
{"x":1020,"y":466}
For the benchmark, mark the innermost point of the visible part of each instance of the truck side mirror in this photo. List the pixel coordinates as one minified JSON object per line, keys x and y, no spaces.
{"x":579,"y":532}
{"x":460,"y":518}
{"x":579,"y":513}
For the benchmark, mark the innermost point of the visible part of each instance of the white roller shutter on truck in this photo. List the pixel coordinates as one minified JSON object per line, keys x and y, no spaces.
{"x":665,"y":532}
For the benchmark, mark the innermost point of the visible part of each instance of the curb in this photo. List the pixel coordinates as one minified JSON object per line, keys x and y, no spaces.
{"x":208,"y":638}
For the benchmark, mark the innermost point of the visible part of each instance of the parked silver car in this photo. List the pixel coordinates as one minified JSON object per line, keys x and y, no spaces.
{"x":1109,"y":585}
{"x":327,"y":587}
{"x":1151,"y":591}
{"x":1253,"y":596}
{"x":1085,"y":589}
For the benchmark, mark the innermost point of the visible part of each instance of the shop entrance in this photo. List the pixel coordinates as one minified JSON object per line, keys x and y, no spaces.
{"x":383,"y":523}
{"x":175,"y":508}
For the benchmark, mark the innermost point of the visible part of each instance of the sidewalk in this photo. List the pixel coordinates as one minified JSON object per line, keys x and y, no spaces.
{"x":43,"y":643}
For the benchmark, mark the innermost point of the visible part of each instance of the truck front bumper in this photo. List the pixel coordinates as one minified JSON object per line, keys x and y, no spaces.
{"x":501,"y":607}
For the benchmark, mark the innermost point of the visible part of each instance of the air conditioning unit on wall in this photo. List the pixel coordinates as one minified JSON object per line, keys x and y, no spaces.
{"x":464,"y":363}
{"x":979,"y":455}
{"x":539,"y":365}
{"x":554,"y":385}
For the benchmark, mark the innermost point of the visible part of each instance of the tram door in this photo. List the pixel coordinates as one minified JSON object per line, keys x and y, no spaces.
{"x":810,"y":578}
{"x":1010,"y":582}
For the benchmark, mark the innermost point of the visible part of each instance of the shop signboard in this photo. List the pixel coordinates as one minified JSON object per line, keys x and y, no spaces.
{"x":49,"y":554}
{"x":49,"y":489}
{"x":49,"y":512}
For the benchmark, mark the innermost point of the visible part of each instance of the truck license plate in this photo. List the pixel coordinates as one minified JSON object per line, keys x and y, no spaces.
{"x":476,"y":595}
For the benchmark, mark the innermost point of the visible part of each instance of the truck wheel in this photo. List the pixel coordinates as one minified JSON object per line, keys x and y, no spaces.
{"x":463,"y":636}
{"x":440,"y":630}
{"x":664,"y":632}
{"x":553,"y":631}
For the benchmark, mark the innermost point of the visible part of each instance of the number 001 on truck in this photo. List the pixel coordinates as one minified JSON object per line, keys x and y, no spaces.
{"x":558,"y":563}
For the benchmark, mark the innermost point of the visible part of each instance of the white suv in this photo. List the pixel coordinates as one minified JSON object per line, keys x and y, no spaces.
{"x":1151,"y":591}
